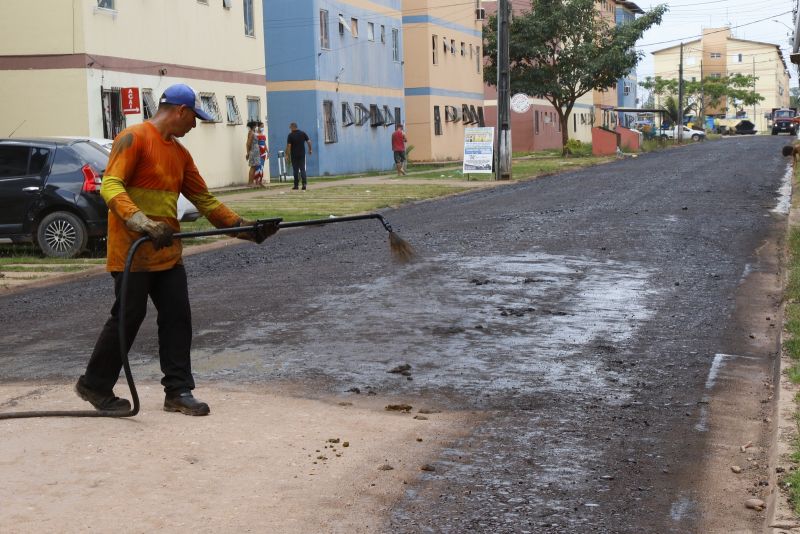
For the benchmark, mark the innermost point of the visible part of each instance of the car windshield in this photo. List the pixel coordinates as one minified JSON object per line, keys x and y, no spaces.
{"x":92,"y":153}
{"x":784,"y":113}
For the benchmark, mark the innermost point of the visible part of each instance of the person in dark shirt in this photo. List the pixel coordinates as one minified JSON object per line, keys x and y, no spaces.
{"x":297,"y":151}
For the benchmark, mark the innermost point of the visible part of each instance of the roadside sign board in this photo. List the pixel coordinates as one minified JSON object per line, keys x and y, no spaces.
{"x":130,"y":100}
{"x":478,"y":150}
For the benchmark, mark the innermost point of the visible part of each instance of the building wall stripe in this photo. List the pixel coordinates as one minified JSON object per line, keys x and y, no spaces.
{"x":319,"y":85}
{"x":435,"y":91}
{"x":120,"y":64}
{"x":427,"y":19}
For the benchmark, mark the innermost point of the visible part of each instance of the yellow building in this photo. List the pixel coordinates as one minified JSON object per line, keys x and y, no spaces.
{"x":718,"y":54}
{"x":66,"y":67}
{"x":443,"y":72}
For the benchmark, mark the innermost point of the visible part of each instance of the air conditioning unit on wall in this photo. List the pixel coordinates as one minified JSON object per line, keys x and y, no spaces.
{"x":227,"y":3}
{"x":480,"y":13}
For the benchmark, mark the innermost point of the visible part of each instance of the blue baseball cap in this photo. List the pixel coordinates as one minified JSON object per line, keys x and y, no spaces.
{"x":181,"y":94}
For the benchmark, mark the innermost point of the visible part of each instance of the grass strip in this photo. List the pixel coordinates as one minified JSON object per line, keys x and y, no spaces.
{"x":336,"y":201}
{"x":791,"y":345}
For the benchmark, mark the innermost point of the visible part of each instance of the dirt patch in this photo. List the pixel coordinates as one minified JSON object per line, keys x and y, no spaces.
{"x":261,"y":462}
{"x":741,"y":413}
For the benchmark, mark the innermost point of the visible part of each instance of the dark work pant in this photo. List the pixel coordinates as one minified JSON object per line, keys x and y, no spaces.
{"x":170,"y":295}
{"x":299,"y":169}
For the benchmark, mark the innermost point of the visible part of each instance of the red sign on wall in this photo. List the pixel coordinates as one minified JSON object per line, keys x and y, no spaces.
{"x":130,"y":100}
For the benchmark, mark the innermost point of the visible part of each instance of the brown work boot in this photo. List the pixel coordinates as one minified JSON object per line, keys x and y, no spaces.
{"x":104,"y":402}
{"x":186,"y":404}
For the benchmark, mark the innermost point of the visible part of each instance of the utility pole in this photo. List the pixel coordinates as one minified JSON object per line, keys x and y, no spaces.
{"x":702,"y":96}
{"x":754,"y":88}
{"x":679,"y":126}
{"x":502,"y":167}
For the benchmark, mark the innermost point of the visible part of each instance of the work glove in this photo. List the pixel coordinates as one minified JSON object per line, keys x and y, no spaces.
{"x":160,"y":233}
{"x":261,"y":232}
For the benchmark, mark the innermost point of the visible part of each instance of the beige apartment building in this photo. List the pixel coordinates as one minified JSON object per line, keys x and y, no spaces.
{"x":92,"y":67}
{"x":443,"y":76}
{"x":718,"y":54}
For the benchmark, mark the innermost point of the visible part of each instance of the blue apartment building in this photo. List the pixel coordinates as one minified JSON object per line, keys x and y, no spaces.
{"x":336,"y":69}
{"x":627,"y":86}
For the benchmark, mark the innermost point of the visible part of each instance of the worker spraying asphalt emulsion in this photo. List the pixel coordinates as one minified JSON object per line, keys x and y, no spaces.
{"x":147,"y":170}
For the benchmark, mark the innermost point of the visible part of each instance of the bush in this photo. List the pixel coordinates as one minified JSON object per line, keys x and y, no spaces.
{"x":577,"y":148}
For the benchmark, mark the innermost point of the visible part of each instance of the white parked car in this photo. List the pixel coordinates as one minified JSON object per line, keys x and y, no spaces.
{"x":688,"y":133}
{"x":187,"y":212}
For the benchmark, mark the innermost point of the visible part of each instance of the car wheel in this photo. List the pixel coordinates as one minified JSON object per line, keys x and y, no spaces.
{"x":664,"y":137}
{"x":695,"y":137}
{"x":774,"y":132}
{"x":61,"y":235}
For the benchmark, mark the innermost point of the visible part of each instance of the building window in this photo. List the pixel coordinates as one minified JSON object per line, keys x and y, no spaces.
{"x":149,"y":104}
{"x":740,"y":58}
{"x":387,"y":116}
{"x":354,"y":27}
{"x":396,"y":44}
{"x":362,"y":114}
{"x":341,"y":24}
{"x":249,"y":18}
{"x":253,"y":108}
{"x":113,"y":118}
{"x":463,"y":49}
{"x":330,"y":121}
{"x":383,"y":34}
{"x":435,"y":41}
{"x":324,"y":41}
{"x":437,"y":121}
{"x":106,"y":4}
{"x":626,"y":89}
{"x":444,"y":45}
{"x":375,"y":116}
{"x":716,"y":55}
{"x":347,"y":114}
{"x":202,"y":2}
{"x":716,"y":75}
{"x":452,"y":47}
{"x":397,"y":119}
{"x":478,"y":58}
{"x":471,"y":51}
{"x":233,"y":110}
{"x":370,"y":31}
{"x":536,"y":122}
{"x":209,"y":103}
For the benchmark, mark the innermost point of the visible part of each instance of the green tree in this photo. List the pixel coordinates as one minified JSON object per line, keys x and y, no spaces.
{"x":561,"y":50}
{"x":736,"y":90}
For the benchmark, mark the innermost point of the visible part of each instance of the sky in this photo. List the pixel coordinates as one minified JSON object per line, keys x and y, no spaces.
{"x":754,"y":20}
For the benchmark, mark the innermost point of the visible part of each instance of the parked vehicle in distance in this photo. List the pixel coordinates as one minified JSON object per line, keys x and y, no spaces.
{"x":187,"y":212}
{"x":50,"y":193}
{"x":688,"y":133}
{"x":745,"y":127}
{"x":783,"y":121}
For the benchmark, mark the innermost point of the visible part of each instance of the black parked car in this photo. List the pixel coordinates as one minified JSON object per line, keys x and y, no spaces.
{"x":745,"y":128}
{"x":50,"y":194}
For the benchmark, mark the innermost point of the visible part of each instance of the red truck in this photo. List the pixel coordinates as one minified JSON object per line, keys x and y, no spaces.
{"x":784,"y":120}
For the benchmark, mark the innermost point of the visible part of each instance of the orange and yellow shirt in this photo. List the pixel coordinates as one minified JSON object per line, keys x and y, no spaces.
{"x":147,"y":173}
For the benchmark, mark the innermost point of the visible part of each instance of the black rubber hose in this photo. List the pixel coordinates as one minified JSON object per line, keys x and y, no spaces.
{"x":123,"y":348}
